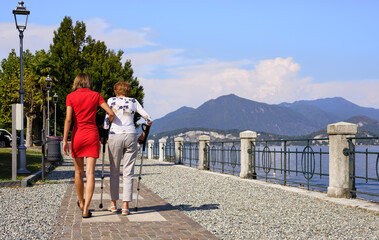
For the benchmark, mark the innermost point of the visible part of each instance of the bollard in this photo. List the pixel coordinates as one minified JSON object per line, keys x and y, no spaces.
{"x":150,"y":148}
{"x":246,"y":137}
{"x":338,"y":162}
{"x":179,"y":141}
{"x":203,"y":141}
{"x":162,"y":144}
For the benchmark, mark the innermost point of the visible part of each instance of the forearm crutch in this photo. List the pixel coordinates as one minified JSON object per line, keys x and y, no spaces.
{"x":102,"y":168}
{"x":145,"y":129}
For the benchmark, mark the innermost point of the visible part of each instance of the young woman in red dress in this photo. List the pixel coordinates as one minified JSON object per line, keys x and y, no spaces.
{"x":81,"y":106}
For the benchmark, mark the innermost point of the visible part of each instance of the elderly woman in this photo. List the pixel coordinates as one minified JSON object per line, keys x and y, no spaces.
{"x":82,"y":106}
{"x":122,"y":143}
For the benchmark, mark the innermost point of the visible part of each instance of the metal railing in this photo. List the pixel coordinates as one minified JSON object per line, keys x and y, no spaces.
{"x":169,"y":150}
{"x":155,"y":149}
{"x":189,"y":154}
{"x":296,"y":162}
{"x":363,"y":167}
{"x":224,"y":157}
{"x":282,"y":162}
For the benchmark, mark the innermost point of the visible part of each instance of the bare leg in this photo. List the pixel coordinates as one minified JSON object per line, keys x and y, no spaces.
{"x":125,"y":205}
{"x":79,"y":172}
{"x":90,"y":184}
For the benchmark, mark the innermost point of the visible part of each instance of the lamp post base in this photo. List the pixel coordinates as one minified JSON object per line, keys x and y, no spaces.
{"x":22,"y":157}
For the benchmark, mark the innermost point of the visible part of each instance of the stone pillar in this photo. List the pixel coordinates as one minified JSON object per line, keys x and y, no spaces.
{"x":162,"y":145}
{"x":246,"y":137}
{"x":338,"y":162}
{"x":150,"y":148}
{"x":179,"y":141}
{"x":203,"y":140}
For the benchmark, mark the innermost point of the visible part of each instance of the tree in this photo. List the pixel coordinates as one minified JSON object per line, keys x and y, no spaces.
{"x":73,"y":52}
{"x":41,"y":67}
{"x":9,"y":87}
{"x":66,"y":54}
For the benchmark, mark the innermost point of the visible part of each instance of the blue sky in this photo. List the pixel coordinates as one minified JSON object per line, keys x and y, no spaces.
{"x":187,"y":52}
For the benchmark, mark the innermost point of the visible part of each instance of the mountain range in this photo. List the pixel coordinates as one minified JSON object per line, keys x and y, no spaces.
{"x":290,"y":119}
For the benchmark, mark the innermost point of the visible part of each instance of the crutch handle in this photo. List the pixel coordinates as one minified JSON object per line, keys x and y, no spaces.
{"x":146,"y":130}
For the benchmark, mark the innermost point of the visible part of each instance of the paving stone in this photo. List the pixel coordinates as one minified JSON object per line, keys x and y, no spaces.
{"x":146,"y":216}
{"x":155,"y":218}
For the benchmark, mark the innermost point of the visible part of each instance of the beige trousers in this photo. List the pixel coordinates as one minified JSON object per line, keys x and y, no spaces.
{"x":122,"y":146}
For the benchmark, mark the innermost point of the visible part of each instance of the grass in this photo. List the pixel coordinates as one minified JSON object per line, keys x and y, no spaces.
{"x":33,"y":163}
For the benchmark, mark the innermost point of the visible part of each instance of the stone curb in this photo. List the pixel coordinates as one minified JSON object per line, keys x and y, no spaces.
{"x":29,"y":180}
{"x":10,"y":184}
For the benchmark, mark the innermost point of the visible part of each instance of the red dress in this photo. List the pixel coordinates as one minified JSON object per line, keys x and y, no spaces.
{"x":85,"y":135}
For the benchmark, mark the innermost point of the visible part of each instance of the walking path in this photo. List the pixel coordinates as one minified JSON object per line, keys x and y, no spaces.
{"x":155,"y":218}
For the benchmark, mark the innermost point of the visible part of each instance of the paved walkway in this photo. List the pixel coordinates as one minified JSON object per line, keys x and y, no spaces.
{"x":155,"y":218}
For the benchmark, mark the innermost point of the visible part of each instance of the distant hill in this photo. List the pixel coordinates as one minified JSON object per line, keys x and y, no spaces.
{"x":366,"y":124}
{"x":288,"y":119}
{"x":319,"y":118}
{"x":332,"y":108}
{"x":233,"y":112}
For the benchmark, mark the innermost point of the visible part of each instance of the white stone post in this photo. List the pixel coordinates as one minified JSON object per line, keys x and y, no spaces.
{"x":338,"y":162}
{"x":162,"y":144}
{"x":150,"y":149}
{"x":203,"y":140}
{"x":246,"y":137}
{"x":179,"y":141}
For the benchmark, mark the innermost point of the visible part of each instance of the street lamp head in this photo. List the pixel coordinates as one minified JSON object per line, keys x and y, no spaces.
{"x":21,"y":16}
{"x":55,"y":98}
{"x":48,"y":83}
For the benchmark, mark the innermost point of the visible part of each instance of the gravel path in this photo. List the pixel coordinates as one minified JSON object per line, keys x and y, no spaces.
{"x":29,"y":213}
{"x":236,"y":209}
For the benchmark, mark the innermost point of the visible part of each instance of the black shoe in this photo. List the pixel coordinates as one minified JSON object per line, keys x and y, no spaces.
{"x":88,"y":215}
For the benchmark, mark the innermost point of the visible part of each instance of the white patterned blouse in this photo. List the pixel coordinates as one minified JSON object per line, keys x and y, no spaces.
{"x":124,"y":109}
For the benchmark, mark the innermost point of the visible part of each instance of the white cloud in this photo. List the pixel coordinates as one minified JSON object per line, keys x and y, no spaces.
{"x":271,"y":81}
{"x":363,"y":93}
{"x":36,"y":37}
{"x":118,"y":38}
{"x":146,"y":63}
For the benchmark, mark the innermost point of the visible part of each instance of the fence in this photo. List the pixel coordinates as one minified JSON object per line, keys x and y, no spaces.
{"x":331,"y":164}
{"x":289,"y":165}
{"x":362,"y":169}
{"x":154,"y":149}
{"x":169,"y":150}
{"x":223,"y":157}
{"x":189,"y":154}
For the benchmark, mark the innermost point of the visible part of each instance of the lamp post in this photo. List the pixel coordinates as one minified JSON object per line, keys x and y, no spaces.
{"x":48,"y":85}
{"x":21,"y":20}
{"x":55,"y":100}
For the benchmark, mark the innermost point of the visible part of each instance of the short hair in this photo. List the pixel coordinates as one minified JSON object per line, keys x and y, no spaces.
{"x":122,"y":88}
{"x":82,"y":80}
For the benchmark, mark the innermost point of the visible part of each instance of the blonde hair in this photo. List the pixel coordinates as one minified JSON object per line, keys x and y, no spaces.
{"x":122,"y":88}
{"x":82,"y":80}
